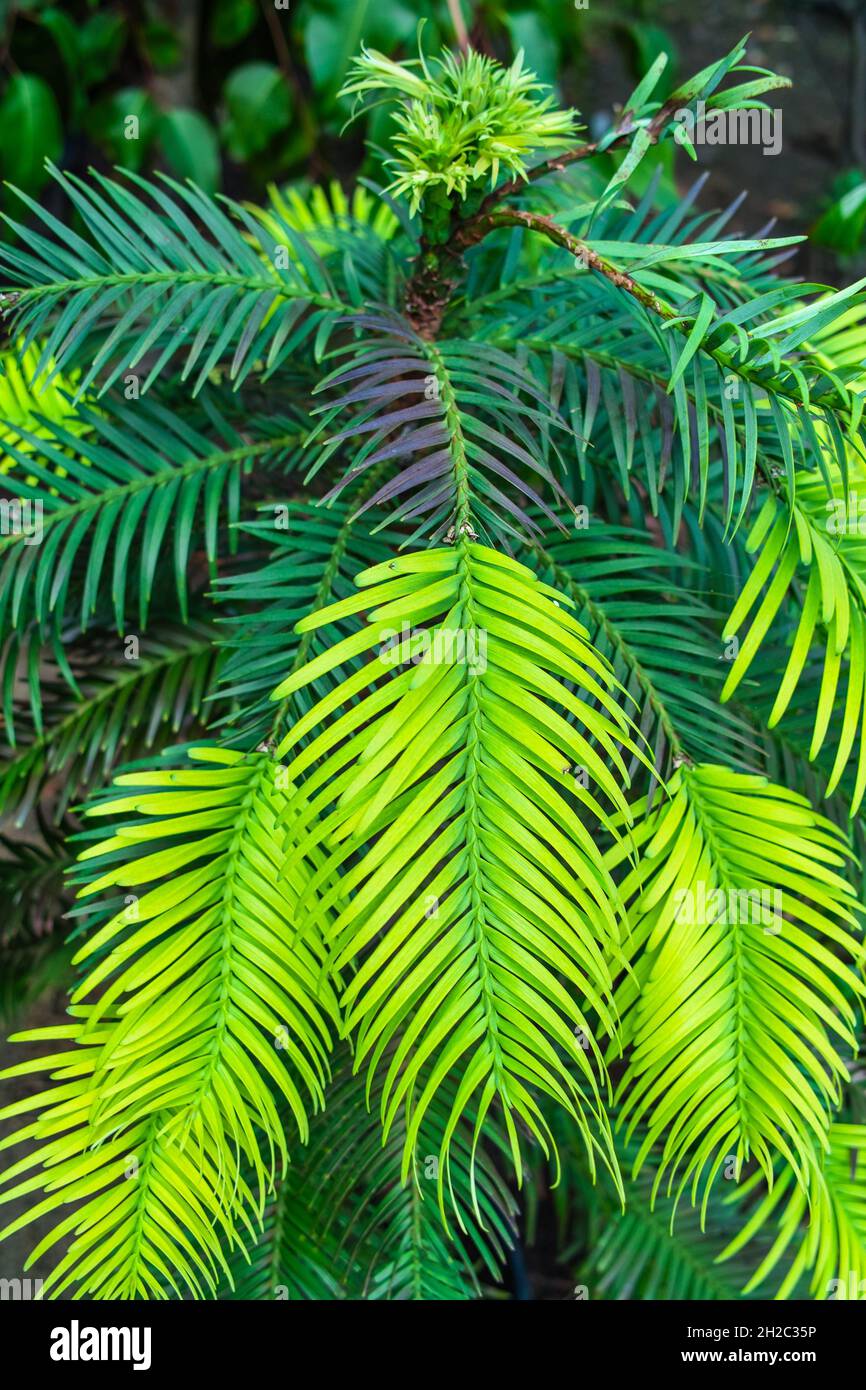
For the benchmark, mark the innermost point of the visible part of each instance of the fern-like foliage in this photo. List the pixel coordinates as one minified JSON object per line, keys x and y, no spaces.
{"x":820,"y":1233}
{"x":210,"y":833}
{"x":24,"y":402}
{"x":120,"y":709}
{"x":173,"y":272}
{"x":343,"y":1219}
{"x":643,"y":608}
{"x":136,"y":471}
{"x":438,"y":411}
{"x":652,"y":1251}
{"x":826,"y":537}
{"x":738,"y":1004}
{"x":205,"y":1001}
{"x":433,"y":639}
{"x":148,"y":1217}
{"x":313,"y":557}
{"x":458,"y":768}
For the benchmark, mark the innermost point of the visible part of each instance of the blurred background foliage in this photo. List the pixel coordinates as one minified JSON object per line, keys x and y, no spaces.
{"x":242,"y":93}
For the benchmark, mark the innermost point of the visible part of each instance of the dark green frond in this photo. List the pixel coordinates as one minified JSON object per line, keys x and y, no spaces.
{"x":33,"y":955}
{"x":343,"y":1218}
{"x":165,"y":275}
{"x":315,"y":552}
{"x":143,"y":490}
{"x":651,"y":1251}
{"x":129,"y":699}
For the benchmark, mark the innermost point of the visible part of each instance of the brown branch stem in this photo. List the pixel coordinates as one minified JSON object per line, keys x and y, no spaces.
{"x":537,"y":222}
{"x":554,"y":165}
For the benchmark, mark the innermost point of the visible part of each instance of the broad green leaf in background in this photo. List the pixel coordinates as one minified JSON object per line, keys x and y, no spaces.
{"x":100,"y":43}
{"x":30,"y":130}
{"x":529,"y":32}
{"x":124,"y":124}
{"x":841,"y":226}
{"x":331,"y":40}
{"x":395,"y":23}
{"x":650,"y":40}
{"x":259,"y":106}
{"x":190,"y":145}
{"x":232,"y":20}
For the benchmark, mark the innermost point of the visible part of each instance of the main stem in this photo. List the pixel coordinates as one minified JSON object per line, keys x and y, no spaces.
{"x":438,"y":269}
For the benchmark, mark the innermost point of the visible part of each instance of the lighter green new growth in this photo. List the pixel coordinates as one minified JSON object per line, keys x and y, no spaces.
{"x":463,"y":120}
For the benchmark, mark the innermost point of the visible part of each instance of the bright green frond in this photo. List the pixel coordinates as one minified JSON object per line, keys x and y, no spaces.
{"x":820,"y":535}
{"x":638,"y":603}
{"x":25,"y":400}
{"x":743,"y":995}
{"x":820,"y":1233}
{"x":479,"y":912}
{"x":209,"y":998}
{"x":148,"y":1218}
{"x":209,"y":932}
{"x":317,"y":212}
